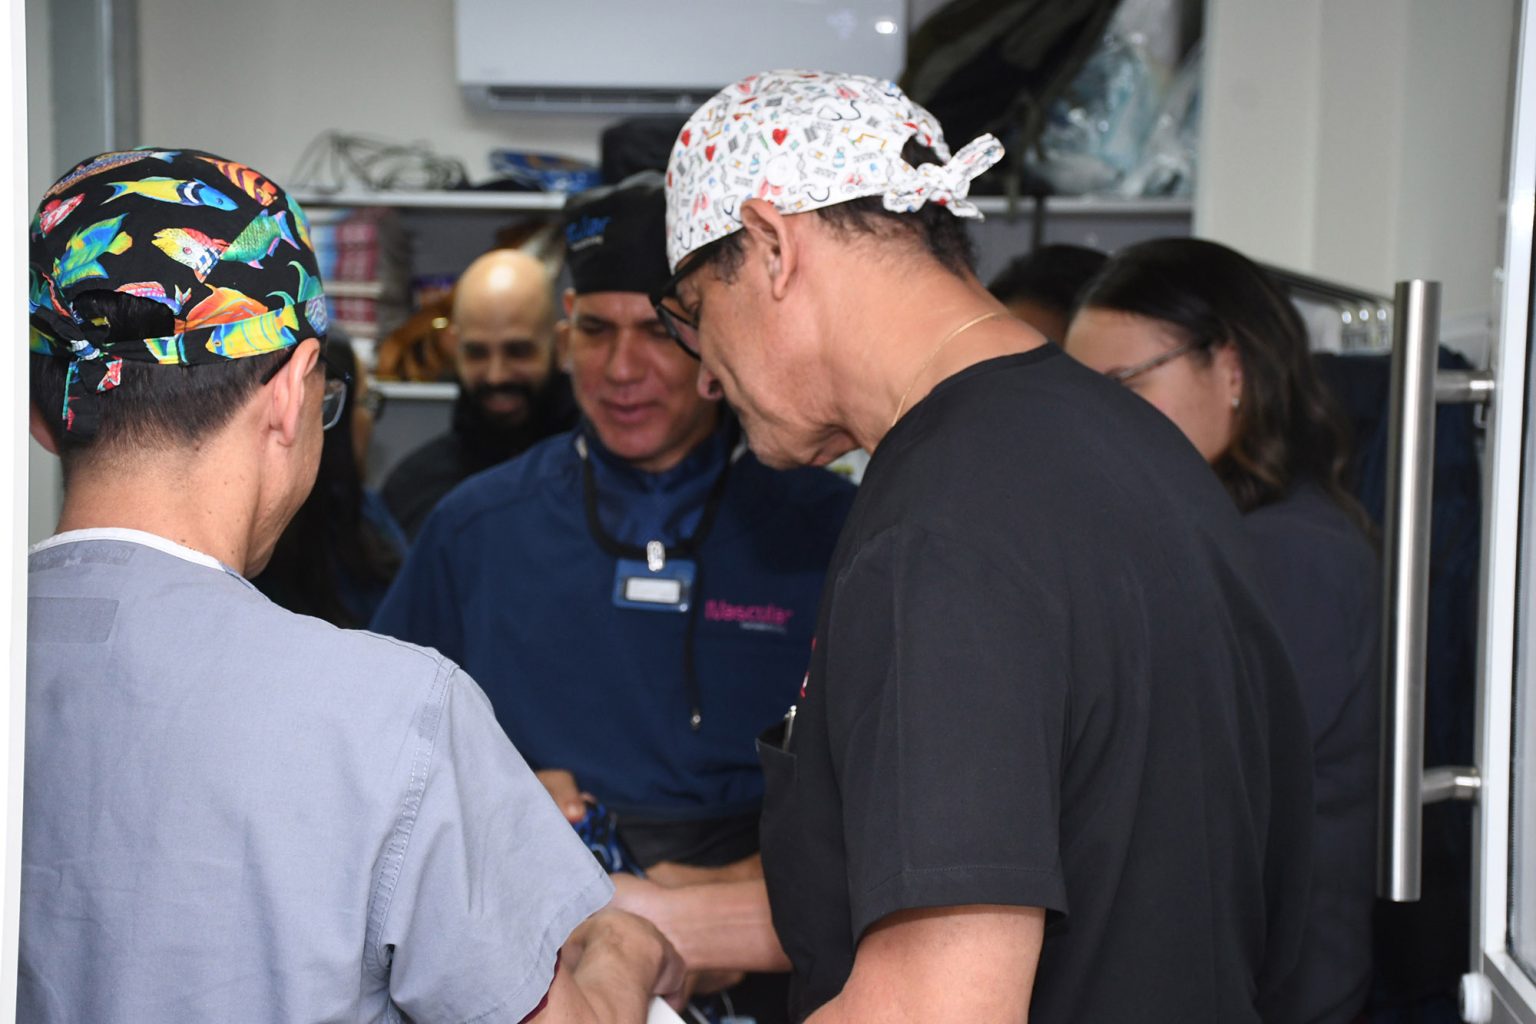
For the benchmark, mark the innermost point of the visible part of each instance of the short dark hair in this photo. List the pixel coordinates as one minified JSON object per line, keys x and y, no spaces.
{"x":154,"y":406}
{"x":934,"y":228}
{"x":1052,"y":276}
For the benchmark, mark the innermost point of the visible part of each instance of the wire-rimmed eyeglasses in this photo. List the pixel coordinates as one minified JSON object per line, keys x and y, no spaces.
{"x":1130,"y":373}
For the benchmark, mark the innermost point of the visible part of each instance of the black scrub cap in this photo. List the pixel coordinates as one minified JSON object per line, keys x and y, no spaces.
{"x":226,"y":251}
{"x":616,"y":236}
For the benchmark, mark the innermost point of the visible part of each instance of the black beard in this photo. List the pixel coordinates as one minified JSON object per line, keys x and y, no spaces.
{"x":480,"y":392}
{"x":493,"y":438}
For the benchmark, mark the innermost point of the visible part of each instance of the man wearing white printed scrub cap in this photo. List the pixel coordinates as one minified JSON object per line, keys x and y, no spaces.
{"x":1049,"y":761}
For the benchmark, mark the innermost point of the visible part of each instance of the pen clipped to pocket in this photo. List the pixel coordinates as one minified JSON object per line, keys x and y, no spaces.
{"x":777,"y":736}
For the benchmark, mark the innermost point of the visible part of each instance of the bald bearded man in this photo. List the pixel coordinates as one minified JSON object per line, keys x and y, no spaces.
{"x":510,"y":393}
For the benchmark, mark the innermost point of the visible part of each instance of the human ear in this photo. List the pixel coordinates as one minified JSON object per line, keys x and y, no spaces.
{"x":775,"y":239}
{"x":563,"y":343}
{"x":708,"y":385}
{"x":1229,"y":363}
{"x":286,"y":399}
{"x":41,"y":430}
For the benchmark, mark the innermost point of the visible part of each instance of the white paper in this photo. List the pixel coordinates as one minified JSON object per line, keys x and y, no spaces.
{"x":661,"y":1013}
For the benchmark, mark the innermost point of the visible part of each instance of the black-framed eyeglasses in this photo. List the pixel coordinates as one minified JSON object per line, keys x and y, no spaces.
{"x":680,"y":324}
{"x":1130,"y":373}
{"x":337,"y":382}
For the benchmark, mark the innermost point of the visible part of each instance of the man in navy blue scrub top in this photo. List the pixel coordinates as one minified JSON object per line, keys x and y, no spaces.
{"x":637,"y":596}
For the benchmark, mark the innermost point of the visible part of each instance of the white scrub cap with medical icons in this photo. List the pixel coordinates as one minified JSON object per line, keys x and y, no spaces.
{"x":804,"y":140}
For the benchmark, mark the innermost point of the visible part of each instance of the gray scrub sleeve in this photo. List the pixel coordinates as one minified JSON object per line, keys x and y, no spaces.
{"x":483,"y":879}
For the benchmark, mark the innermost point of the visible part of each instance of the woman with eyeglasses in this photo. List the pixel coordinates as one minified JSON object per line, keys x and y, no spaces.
{"x":1208,"y":338}
{"x":343,"y":548}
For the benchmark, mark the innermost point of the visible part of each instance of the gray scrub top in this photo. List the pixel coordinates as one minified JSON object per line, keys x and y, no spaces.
{"x":235,"y":813}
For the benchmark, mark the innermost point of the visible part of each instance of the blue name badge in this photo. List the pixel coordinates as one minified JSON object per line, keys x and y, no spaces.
{"x":669,"y":589}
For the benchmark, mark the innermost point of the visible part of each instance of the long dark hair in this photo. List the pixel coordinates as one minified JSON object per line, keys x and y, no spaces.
{"x":1289,"y":429}
{"x":330,"y":540}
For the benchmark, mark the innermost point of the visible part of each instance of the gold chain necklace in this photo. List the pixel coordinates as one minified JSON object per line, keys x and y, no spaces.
{"x":951,"y":336}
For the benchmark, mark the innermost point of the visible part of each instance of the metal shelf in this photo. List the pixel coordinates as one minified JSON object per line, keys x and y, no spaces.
{"x":492,"y":201}
{"x":1089,"y":206}
{"x":419,"y":391}
{"x":1056,"y":206}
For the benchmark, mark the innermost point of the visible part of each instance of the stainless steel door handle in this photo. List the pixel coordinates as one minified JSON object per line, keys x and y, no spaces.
{"x":1410,"y":470}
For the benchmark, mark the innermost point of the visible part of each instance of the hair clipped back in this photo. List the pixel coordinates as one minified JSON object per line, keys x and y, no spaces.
{"x":1289,"y":428}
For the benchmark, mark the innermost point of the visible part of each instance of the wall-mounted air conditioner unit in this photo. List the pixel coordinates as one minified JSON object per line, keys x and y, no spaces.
{"x":664,"y":56}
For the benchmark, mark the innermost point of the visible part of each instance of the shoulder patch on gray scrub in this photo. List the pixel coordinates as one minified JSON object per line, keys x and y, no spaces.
{"x":70,"y":620}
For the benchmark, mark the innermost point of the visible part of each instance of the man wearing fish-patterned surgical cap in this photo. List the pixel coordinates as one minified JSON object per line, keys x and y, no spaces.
{"x":233,"y":812}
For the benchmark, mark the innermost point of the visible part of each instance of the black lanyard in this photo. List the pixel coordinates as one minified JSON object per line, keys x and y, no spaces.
{"x":655,"y":554}
{"x":685,"y":548}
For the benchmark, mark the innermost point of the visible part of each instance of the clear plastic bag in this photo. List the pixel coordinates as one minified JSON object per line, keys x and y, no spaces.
{"x":1170,"y":154}
{"x":1093,"y":133}
{"x":1128,"y":125}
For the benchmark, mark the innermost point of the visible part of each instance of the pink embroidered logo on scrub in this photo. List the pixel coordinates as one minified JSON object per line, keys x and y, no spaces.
{"x":768,"y":618}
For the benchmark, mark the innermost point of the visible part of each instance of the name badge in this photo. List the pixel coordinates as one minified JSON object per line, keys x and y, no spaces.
{"x":668,"y":589}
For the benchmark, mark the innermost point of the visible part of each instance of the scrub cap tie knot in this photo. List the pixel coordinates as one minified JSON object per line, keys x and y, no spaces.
{"x":803,"y":140}
{"x":946,"y":184}
{"x":226,"y":251}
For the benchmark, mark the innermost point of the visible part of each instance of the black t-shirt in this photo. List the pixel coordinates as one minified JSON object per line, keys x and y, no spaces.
{"x":1322,"y":579}
{"x":1044,"y":677}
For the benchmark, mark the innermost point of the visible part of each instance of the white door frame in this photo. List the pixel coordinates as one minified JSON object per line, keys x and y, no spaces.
{"x":13,"y":512}
{"x":1514,"y":994}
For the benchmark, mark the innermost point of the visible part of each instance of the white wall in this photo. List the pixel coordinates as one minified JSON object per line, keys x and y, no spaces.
{"x":14,"y":43}
{"x":258,"y":81}
{"x":1258,"y":135}
{"x":40,"y":169}
{"x":43,"y":494}
{"x":1455,"y":137}
{"x":1360,"y":141}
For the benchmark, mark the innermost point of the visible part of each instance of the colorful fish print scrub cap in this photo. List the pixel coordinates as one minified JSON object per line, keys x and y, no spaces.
{"x":803,"y":140}
{"x":223,"y":248}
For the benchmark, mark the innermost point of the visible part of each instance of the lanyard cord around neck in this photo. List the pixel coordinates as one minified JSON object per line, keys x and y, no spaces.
{"x":655,"y":554}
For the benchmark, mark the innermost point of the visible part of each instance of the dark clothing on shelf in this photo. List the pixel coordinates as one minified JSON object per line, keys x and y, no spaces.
{"x":1323,"y":579}
{"x":473,"y":444}
{"x":1045,"y":676}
